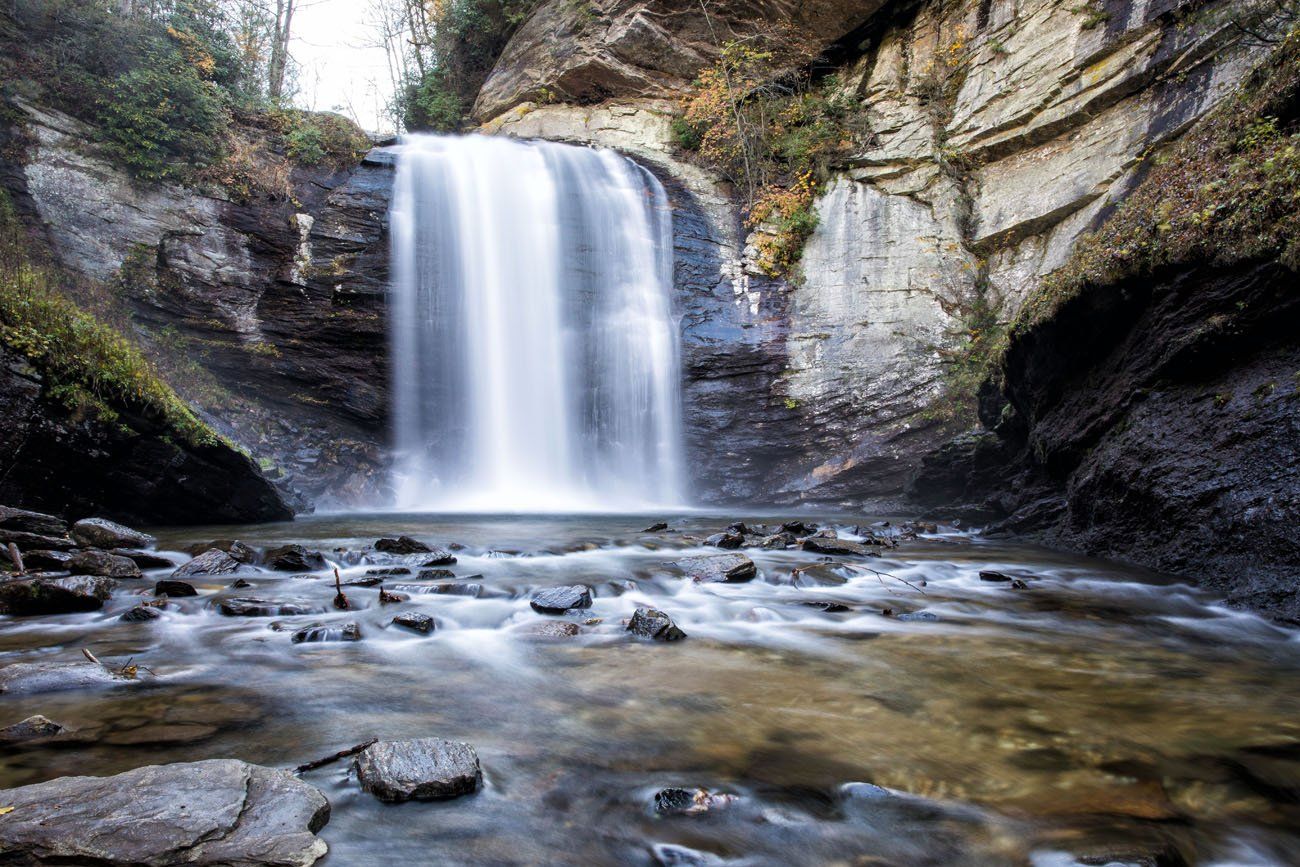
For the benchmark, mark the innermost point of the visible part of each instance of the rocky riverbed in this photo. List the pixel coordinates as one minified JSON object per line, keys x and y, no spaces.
{"x":631,"y":689}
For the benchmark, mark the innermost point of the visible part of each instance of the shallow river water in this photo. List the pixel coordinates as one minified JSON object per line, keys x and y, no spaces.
{"x":1101,"y":715}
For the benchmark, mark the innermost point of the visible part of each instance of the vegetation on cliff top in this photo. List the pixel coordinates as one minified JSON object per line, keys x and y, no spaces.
{"x":758,"y":119}
{"x":162,"y":86}
{"x":89,"y":367}
{"x":1228,"y":192}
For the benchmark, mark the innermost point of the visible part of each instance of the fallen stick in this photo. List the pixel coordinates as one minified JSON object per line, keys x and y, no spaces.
{"x":341,"y":754}
{"x":17,"y":557}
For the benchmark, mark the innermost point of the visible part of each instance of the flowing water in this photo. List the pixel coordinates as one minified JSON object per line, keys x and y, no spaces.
{"x":535,"y":357}
{"x":1101,"y":715}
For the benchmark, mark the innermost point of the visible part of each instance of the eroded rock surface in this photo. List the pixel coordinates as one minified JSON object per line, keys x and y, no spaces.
{"x":424,"y":769}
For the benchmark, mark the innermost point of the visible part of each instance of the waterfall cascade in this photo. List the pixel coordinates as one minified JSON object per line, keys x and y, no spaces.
{"x":534,"y":351}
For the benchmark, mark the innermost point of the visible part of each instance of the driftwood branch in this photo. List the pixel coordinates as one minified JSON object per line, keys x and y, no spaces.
{"x":17,"y":559}
{"x":334,"y":757}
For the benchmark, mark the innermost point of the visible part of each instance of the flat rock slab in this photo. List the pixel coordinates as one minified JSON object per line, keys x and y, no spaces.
{"x":714,"y":568}
{"x":211,"y":562}
{"x":31,"y":677}
{"x":839,"y":547}
{"x":424,"y":769}
{"x":101,"y":533}
{"x":415,"y":622}
{"x":249,"y":607}
{"x":34,"y":596}
{"x":557,"y":600}
{"x":216,"y":812}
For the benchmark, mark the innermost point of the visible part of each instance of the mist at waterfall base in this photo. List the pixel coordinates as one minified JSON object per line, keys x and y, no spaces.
{"x":535,"y":357}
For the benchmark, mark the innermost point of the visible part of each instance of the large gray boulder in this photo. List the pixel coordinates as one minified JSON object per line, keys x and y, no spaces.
{"x":32,"y":596}
{"x":102,"y":533}
{"x":557,"y":600}
{"x":102,"y":563}
{"x":217,"y":812}
{"x":211,"y":562}
{"x":424,"y":769}
{"x":23,"y":678}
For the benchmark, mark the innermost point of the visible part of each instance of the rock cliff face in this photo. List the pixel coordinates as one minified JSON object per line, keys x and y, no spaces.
{"x":831,"y":387}
{"x":267,"y":314}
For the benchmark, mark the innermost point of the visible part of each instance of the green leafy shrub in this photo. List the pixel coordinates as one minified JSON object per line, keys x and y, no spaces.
{"x":321,"y":138}
{"x":88,"y":365}
{"x":162,"y":122}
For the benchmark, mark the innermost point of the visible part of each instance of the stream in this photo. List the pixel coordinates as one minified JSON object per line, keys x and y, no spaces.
{"x":1100,"y":715}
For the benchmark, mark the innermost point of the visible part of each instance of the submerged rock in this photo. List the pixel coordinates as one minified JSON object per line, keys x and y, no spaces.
{"x":249,"y":607}
{"x":389,"y":570}
{"x":366,"y":581}
{"x":100,"y":533}
{"x":25,"y":597}
{"x":438,"y":557}
{"x":217,"y":812}
{"x":214,"y":561}
{"x":415,"y":621}
{"x":32,"y":677}
{"x":656,"y":528}
{"x":402,"y":545}
{"x":141,"y":614}
{"x":174,"y":589}
{"x":671,"y":855}
{"x":321,"y":632}
{"x":423,"y":769}
{"x":712,"y":568}
{"x":294,"y":558}
{"x":31,"y":728}
{"x":557,"y":600}
{"x":675,"y":801}
{"x":447,"y":588}
{"x":653,"y":623}
{"x":990,"y":575}
{"x":551,"y":629}
{"x":92,"y":562}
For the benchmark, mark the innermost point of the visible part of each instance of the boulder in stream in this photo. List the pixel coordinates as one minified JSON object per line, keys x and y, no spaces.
{"x":424,"y":769}
{"x":658,"y":527}
{"x":95,"y":562}
{"x":294,"y":558}
{"x":213,"y":561}
{"x":415,"y":622}
{"x":25,"y":678}
{"x":829,"y":545}
{"x":725,"y":540}
{"x":402,"y":545}
{"x":144,"y":559}
{"x":174,"y":589}
{"x":216,"y":812}
{"x":245,"y":606}
{"x":25,"y":597}
{"x":101,"y":533}
{"x":438,"y":557}
{"x":320,"y":632}
{"x":557,"y":600}
{"x":235,"y":548}
{"x":30,"y":729}
{"x":713,"y":568}
{"x":653,"y":623}
{"x":141,"y":614}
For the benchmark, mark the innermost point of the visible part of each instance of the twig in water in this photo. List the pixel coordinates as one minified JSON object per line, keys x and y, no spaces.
{"x":881,"y":576}
{"x":341,"y":754}
{"x":340,"y":601}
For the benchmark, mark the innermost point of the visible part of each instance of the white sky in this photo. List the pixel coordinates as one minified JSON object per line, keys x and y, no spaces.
{"x":340,"y":69}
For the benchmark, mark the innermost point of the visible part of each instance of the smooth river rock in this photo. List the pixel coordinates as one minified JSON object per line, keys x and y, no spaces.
{"x":424,"y":769}
{"x":246,"y":606}
{"x":33,"y":596}
{"x":214,"y":561}
{"x":653,"y":623}
{"x":828,"y":545}
{"x":415,"y":621}
{"x":92,"y":562}
{"x":25,"y":678}
{"x":402,"y":545}
{"x":101,"y":533}
{"x":31,"y":728}
{"x":294,"y":558}
{"x":217,"y":812}
{"x":557,"y":600}
{"x":714,"y":568}
{"x":174,"y":589}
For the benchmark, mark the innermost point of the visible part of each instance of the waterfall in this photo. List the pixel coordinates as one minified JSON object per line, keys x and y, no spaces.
{"x":534,"y":351}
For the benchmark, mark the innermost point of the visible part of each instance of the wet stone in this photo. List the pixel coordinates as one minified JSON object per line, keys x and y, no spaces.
{"x":54,"y":561}
{"x":435,"y":574}
{"x":839,"y":547}
{"x":415,"y":622}
{"x":423,"y":769}
{"x":389,"y":570}
{"x":23,"y":678}
{"x":140,"y":614}
{"x":294,"y":558}
{"x":237,"y":550}
{"x":402,"y":545}
{"x":671,"y":855}
{"x":557,"y":600}
{"x":656,"y":528}
{"x":654,"y":624}
{"x":249,"y":607}
{"x":216,"y":812}
{"x":102,"y":563}
{"x":828,"y":607}
{"x":320,"y":632}
{"x":676,"y":801}
{"x":101,"y":533}
{"x":990,"y":575}
{"x":174,"y":589}
{"x":368,"y":581}
{"x":712,"y":568}
{"x":144,"y":559}
{"x":551,"y":629}
{"x":725,"y":540}
{"x":438,"y":557}
{"x":240,"y":584}
{"x":918,"y":617}
{"x":26,"y":597}
{"x":211,"y":562}
{"x":471,"y":590}
{"x":31,"y":728}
